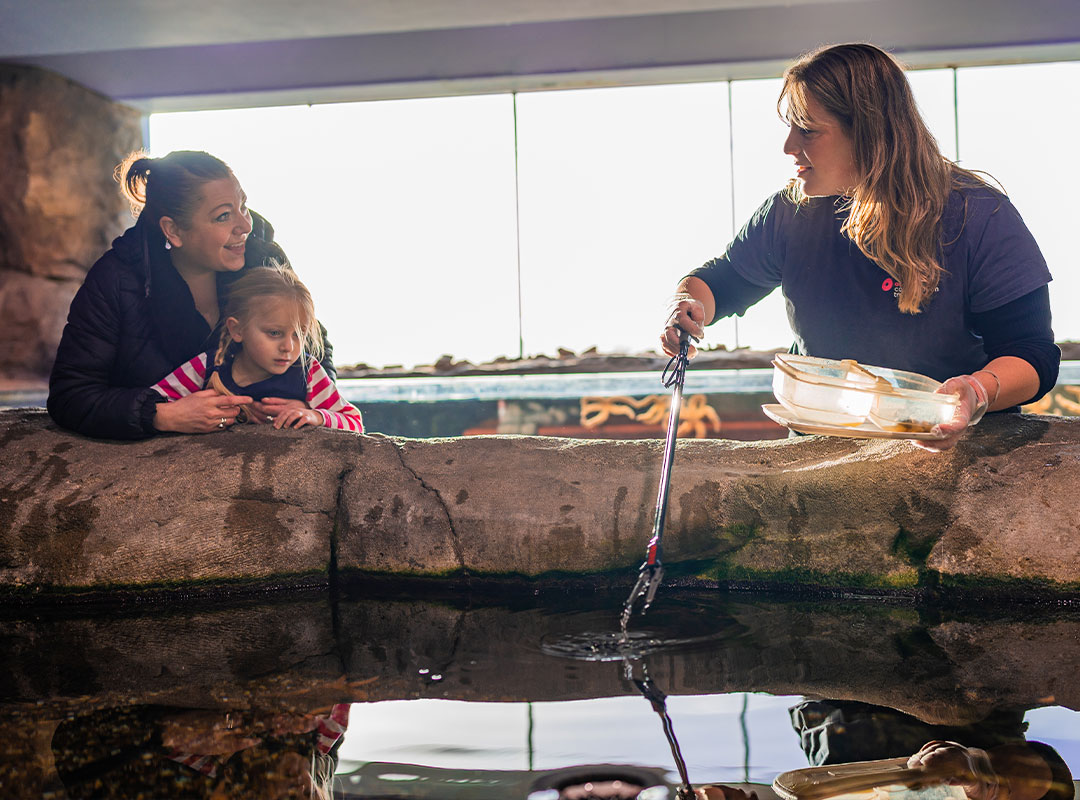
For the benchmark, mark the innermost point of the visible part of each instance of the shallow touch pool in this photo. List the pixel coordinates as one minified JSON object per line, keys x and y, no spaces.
{"x":465,"y":697}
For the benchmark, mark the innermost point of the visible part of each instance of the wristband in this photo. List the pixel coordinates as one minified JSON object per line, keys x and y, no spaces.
{"x":997,"y":390}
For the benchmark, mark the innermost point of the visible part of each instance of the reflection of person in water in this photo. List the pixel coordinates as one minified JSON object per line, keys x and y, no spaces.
{"x":1018,"y":771}
{"x":156,"y":752}
{"x":991,"y":759}
{"x":717,"y":791}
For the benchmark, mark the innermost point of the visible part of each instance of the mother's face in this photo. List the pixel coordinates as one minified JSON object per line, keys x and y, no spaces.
{"x":216,"y":237}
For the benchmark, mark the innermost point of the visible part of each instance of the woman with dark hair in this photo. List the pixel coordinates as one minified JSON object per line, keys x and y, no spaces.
{"x":154,"y":300}
{"x":886,"y":251}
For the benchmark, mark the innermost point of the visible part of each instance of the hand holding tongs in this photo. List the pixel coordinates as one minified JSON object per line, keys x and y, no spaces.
{"x":652,"y":571}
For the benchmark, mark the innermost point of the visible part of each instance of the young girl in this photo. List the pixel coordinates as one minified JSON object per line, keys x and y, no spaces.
{"x":267,"y":350}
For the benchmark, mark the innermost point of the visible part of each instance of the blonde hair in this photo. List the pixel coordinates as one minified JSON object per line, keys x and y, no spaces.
{"x":275,"y":281}
{"x":895,"y":208}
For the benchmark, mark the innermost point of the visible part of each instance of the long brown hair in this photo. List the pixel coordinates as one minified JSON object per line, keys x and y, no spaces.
{"x":895,"y":209}
{"x":273,"y":282}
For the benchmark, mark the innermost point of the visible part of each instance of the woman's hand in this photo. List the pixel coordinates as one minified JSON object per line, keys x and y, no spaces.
{"x":297,"y":418}
{"x":968,"y":768}
{"x":204,"y":411}
{"x":685,"y":313}
{"x":268,"y":409}
{"x":973,"y":404}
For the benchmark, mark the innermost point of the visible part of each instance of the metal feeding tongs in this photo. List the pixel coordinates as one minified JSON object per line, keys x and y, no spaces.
{"x":651,"y":572}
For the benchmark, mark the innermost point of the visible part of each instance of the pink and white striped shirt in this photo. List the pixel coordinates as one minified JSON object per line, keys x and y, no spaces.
{"x":330,"y":728}
{"x":322,"y":395}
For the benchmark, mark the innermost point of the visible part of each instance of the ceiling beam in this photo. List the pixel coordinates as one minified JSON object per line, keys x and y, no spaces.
{"x":732,"y":42}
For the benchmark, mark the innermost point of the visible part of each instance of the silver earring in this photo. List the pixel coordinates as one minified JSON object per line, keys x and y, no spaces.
{"x":168,"y":245}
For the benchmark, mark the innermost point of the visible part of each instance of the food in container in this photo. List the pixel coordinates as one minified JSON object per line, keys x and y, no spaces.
{"x":846,"y":393}
{"x":914,"y":406}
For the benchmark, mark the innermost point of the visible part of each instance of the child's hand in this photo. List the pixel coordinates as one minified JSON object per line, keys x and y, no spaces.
{"x":297,"y":418}
{"x":269,"y":408}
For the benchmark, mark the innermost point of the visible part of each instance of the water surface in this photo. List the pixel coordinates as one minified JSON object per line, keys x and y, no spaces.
{"x":468,"y":696}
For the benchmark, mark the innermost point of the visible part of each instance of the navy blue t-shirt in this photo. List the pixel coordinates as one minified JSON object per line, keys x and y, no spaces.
{"x":290,"y":385}
{"x":840,"y":304}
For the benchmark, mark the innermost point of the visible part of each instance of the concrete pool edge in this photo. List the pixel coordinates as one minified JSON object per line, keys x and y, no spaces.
{"x":250,"y":509}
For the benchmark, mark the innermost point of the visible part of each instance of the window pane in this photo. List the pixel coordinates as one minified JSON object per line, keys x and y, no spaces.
{"x":1017,"y":124}
{"x":760,"y":169}
{"x":933,"y":90}
{"x":623,"y":191}
{"x":398,"y":215}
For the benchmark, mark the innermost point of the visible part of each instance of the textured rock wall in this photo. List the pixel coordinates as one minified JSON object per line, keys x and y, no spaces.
{"x":59,"y":205}
{"x":261,"y":506}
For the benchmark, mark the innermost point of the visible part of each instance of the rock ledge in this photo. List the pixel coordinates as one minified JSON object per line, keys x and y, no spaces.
{"x":255,"y":507}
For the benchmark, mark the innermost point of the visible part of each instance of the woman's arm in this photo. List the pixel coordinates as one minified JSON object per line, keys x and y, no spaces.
{"x":716,"y":289}
{"x":1008,"y":381}
{"x":1023,"y":365}
{"x":1019,"y":340}
{"x":712,"y":292}
{"x":81,"y":398}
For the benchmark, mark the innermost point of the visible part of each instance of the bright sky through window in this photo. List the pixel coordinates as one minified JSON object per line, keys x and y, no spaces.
{"x":407,"y":220}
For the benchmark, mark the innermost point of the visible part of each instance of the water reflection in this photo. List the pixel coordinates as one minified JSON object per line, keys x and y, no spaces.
{"x":658,"y":700}
{"x":991,"y":759}
{"x":250,"y":700}
{"x":153,"y":751}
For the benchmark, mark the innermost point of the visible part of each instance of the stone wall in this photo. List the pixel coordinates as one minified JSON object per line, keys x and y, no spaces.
{"x":256,"y":507}
{"x":59,"y":205}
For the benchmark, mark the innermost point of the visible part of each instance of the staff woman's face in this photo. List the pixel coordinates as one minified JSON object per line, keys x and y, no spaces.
{"x":824,"y":154}
{"x":216,"y":237}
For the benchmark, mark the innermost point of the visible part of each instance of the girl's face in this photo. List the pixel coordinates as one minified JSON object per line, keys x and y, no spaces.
{"x":270,"y":337}
{"x":824,"y":153}
{"x":216,"y":237}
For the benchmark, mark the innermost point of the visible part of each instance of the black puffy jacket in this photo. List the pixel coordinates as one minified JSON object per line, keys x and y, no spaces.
{"x":132,"y":322}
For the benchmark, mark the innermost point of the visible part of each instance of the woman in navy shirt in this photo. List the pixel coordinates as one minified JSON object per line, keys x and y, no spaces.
{"x":886,"y":251}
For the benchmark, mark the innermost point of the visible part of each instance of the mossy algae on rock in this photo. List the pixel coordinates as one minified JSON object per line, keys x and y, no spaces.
{"x":256,"y":507}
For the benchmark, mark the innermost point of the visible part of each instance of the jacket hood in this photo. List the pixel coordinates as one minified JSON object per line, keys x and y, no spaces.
{"x":133,"y":247}
{"x":130,"y":246}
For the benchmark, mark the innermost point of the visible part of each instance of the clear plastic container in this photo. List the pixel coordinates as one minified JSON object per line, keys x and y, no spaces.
{"x":913,"y":406}
{"x":887,"y":779}
{"x":846,"y":393}
{"x":822,"y":391}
